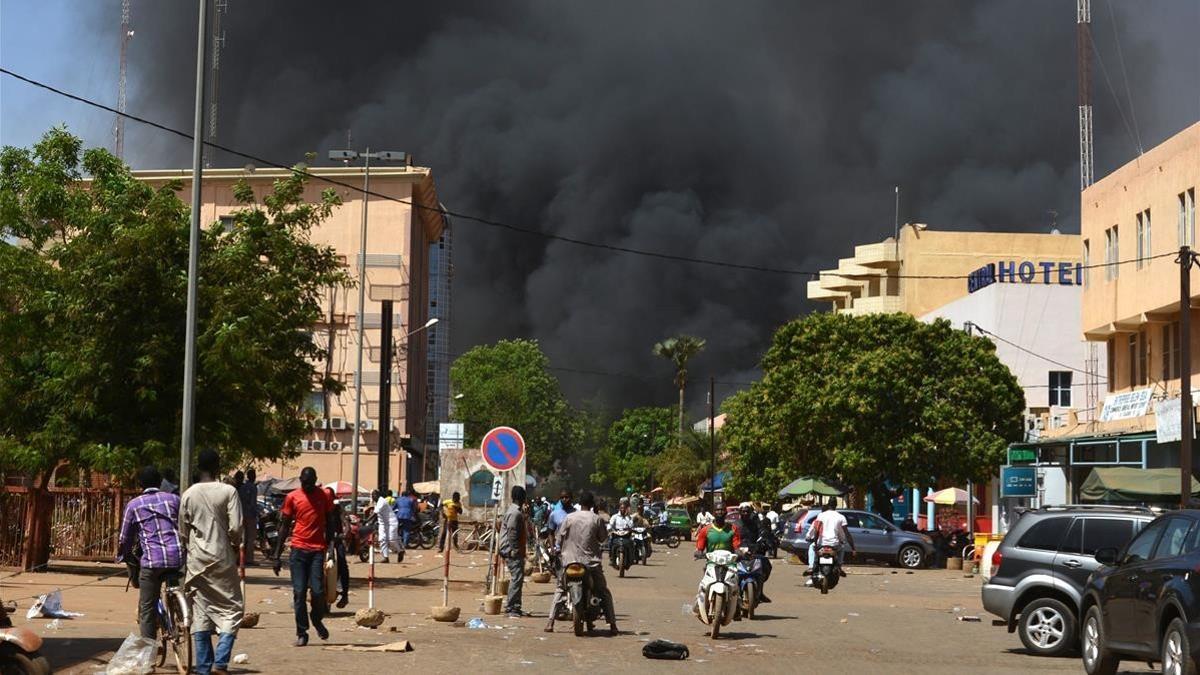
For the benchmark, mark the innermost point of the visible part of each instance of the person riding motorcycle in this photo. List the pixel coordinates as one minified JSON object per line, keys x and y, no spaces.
{"x":829,"y":529}
{"x":749,"y":525}
{"x":580,"y":538}
{"x":620,"y":521}
{"x":718,"y":536}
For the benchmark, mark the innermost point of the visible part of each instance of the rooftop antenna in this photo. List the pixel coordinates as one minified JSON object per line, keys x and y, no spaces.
{"x":218,"y":43}
{"x":119,"y":127}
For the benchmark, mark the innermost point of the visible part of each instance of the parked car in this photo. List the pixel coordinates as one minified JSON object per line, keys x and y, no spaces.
{"x":874,"y":537}
{"x":1143,"y":603}
{"x":678,"y":518}
{"x":1040,"y":569}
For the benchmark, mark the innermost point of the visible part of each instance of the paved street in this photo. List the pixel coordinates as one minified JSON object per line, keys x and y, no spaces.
{"x":878,"y":618}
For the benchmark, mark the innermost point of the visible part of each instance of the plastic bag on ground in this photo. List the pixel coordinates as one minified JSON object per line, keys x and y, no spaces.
{"x":135,"y":657}
{"x":50,"y":606}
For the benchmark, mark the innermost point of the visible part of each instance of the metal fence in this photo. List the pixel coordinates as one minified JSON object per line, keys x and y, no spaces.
{"x":86,"y":522}
{"x":14,"y":503}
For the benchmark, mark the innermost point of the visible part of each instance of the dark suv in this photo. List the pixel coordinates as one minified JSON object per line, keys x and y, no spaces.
{"x":1040,"y":569}
{"x":1144,"y":603}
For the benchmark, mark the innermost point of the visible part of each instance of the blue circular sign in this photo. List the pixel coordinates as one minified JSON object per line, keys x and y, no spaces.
{"x":503,"y":449}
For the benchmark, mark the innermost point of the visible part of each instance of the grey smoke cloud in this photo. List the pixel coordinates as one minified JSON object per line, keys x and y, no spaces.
{"x":762,"y":133}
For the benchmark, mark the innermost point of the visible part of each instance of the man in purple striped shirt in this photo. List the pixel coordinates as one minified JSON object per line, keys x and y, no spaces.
{"x":151,"y":521}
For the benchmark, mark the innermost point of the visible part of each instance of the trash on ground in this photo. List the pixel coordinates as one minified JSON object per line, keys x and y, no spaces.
{"x":968,"y":617}
{"x":249,"y":620}
{"x":844,"y":621}
{"x":241,"y":658}
{"x":479,"y":623}
{"x":54,"y":625}
{"x":401,"y":646}
{"x":666,"y":650}
{"x":956,"y":608}
{"x":49,"y":605}
{"x":852,"y":614}
{"x":136,"y":656}
{"x":368,"y":617}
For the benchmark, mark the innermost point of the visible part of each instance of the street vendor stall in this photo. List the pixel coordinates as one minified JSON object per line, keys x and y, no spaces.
{"x":809,"y":485}
{"x":1128,"y":485}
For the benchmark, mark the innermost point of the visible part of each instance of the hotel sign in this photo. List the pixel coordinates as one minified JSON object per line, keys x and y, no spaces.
{"x":1126,"y":405}
{"x":1025,"y":272}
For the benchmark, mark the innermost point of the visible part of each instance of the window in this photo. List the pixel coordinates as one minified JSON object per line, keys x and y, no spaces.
{"x":1088,"y":535}
{"x":1060,"y":388}
{"x":1046,"y":535}
{"x":1174,"y":537}
{"x":1170,"y":351}
{"x":1187,"y":217}
{"x":1110,"y":349}
{"x":1133,"y":358}
{"x":481,"y":489}
{"x":1143,"y":237}
{"x":316,"y":403}
{"x":1143,"y":357}
{"x":1140,"y":548}
{"x":1112,"y":253}
{"x":872,"y":522}
{"x":1087,"y":261}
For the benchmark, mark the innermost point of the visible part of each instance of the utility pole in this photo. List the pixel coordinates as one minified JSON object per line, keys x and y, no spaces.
{"x":189,"y":348}
{"x":385,"y":397}
{"x":712,"y":445}
{"x":126,"y":36}
{"x":1187,"y":258}
{"x":1083,"y":24}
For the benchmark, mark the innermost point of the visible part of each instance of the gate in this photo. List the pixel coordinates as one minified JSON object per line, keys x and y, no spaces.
{"x":86,"y":522}
{"x":14,"y":503}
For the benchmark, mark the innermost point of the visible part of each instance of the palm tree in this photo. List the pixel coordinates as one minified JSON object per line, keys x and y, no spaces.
{"x":679,"y":350}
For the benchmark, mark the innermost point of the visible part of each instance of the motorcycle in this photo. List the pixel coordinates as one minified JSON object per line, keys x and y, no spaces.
{"x":717,"y":602}
{"x":583,"y":604}
{"x":19,"y":649}
{"x":641,"y":553}
{"x":828,"y":571}
{"x":622,"y":551}
{"x":664,"y":534}
{"x":268,"y":528}
{"x":752,"y":573}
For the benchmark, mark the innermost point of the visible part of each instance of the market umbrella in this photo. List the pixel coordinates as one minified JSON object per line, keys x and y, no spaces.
{"x":342,"y":488}
{"x":682,"y":501}
{"x":949,"y":497}
{"x":428,"y":487}
{"x":809,"y":485}
{"x":263,"y":486}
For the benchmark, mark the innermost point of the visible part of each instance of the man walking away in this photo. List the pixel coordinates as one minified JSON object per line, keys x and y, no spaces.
{"x":150,"y":521}
{"x":406,"y":516}
{"x":513,"y":541}
{"x":248,"y":493}
{"x":210,"y":527}
{"x":340,"y":525}
{"x":305,"y":516}
{"x":385,"y":524}
{"x":450,"y":513}
{"x":581,"y":539}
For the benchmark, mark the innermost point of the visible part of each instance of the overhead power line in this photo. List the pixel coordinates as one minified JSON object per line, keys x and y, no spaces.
{"x":519,"y":229}
{"x":1029,"y":351}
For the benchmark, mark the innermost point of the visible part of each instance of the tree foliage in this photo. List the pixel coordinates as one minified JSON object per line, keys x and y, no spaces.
{"x":679,"y":350}
{"x":682,"y":467}
{"x":509,"y":384}
{"x":92,"y":309}
{"x":632,"y":444}
{"x":870,"y":399}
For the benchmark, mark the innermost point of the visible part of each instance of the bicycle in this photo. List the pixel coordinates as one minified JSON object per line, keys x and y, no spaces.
{"x":174,"y":620}
{"x":478,"y":537}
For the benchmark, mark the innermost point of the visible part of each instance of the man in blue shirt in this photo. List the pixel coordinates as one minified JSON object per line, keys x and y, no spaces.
{"x":562,"y":507}
{"x":406,"y":514}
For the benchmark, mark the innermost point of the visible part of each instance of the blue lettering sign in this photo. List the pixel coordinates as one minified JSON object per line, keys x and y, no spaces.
{"x":1025,"y":271}
{"x":1018,"y":481}
{"x":1046,"y":268}
{"x":1064,"y":274}
{"x":1008,"y":272}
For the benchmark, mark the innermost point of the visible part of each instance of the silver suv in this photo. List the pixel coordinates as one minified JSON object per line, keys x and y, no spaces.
{"x":1040,"y":569}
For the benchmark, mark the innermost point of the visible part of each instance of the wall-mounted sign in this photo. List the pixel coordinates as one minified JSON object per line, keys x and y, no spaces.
{"x":1125,"y":405}
{"x":1025,"y":272}
{"x":1018,"y":481}
{"x":1167,"y":421}
{"x":450,"y":436}
{"x":1022,"y":455}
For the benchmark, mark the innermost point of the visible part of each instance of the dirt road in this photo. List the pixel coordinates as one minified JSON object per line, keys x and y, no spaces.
{"x":878,"y":619}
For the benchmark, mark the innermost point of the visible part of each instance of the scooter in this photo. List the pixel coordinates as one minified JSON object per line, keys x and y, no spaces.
{"x":717,"y":602}
{"x":828,"y":570}
{"x":19,"y":649}
{"x":641,"y":552}
{"x":582,"y":603}
{"x":752,"y":572}
{"x":622,"y":551}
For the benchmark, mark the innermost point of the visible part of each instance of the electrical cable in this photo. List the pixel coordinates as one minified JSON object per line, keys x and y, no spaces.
{"x":1125,"y":76}
{"x":1010,"y":343}
{"x":489,"y":222}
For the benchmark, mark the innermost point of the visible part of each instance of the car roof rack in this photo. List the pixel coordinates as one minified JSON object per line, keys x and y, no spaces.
{"x":1101,"y":507}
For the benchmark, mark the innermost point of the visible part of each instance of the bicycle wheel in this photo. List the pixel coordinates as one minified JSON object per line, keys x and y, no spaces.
{"x":465,"y":542}
{"x":429,"y":536}
{"x":177,"y":638}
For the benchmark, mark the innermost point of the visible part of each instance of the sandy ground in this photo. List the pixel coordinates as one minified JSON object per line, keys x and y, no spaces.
{"x":878,"y":619}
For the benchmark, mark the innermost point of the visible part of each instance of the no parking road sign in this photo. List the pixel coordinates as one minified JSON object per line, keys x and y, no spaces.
{"x":503,"y":449}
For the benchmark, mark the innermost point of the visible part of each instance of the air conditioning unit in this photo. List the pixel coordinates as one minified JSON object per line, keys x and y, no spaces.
{"x":320,"y":423}
{"x":338,"y":423}
{"x":304,"y":445}
{"x":335,"y":445}
{"x":319,"y":446}
{"x":368,"y":425}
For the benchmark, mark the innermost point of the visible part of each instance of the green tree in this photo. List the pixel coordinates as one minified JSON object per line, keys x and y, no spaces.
{"x":92,"y":304}
{"x":509,"y":384}
{"x":683,"y":467}
{"x":871,"y":399}
{"x":679,"y":350}
{"x":632,"y":443}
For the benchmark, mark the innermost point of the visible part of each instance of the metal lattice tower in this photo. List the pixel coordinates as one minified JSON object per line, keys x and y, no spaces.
{"x":119,"y":126}
{"x":1084,"y":47}
{"x":218,"y":43}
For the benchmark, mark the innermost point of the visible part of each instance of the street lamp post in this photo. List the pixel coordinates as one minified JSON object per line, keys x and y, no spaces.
{"x":367,"y":156}
{"x":408,"y":467}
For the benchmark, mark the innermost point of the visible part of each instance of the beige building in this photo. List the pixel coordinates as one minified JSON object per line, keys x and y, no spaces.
{"x":397,"y":260}
{"x":1142,"y":212}
{"x":873,"y":280}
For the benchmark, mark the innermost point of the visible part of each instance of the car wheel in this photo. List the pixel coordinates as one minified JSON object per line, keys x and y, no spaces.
{"x":1177,"y":651}
{"x":1097,"y":659}
{"x":1047,"y":627}
{"x":911,"y":557}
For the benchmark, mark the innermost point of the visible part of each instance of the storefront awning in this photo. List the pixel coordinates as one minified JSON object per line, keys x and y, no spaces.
{"x":1128,"y":485}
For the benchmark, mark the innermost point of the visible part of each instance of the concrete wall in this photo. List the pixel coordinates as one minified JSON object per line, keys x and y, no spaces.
{"x":456,"y":468}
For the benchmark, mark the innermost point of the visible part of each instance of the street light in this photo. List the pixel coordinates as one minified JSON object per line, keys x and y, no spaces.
{"x":367,"y":156}
{"x":408,"y":468}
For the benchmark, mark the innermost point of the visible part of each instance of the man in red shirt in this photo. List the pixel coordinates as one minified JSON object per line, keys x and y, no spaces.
{"x":306,"y":514}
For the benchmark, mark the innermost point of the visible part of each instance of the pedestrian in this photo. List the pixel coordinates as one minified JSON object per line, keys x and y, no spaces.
{"x":562,"y":508}
{"x":150,"y":520}
{"x":170,"y":481}
{"x":341,"y":526}
{"x":385,"y":523}
{"x":450,"y":512}
{"x":248,"y":493}
{"x":210,"y":527}
{"x":406,"y":516}
{"x":513,"y":542}
{"x":305,"y":516}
